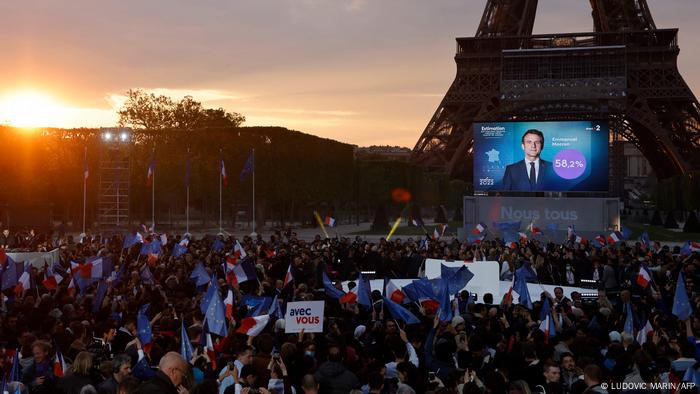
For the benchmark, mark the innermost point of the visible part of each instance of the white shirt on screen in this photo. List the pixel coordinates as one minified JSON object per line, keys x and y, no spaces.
{"x":537,"y":168}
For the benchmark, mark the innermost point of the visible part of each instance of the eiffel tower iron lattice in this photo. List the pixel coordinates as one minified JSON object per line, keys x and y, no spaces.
{"x":625,"y":71}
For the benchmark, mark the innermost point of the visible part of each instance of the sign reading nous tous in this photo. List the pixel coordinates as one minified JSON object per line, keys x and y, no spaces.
{"x":306,"y":315}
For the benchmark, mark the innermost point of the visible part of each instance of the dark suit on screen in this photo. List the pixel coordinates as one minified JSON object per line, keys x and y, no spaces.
{"x":516,"y":177}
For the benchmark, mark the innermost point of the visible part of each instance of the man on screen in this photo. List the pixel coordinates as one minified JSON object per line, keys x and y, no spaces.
{"x":531,"y":173}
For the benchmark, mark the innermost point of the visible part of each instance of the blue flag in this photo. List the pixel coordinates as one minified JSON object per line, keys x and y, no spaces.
{"x":546,"y":317}
{"x":153,"y":247}
{"x":142,"y":369}
{"x":10,"y":275}
{"x":681,"y":304}
{"x":200,"y":276}
{"x":645,"y":240}
{"x":99,"y":296}
{"x":15,"y":371}
{"x":331,"y":290}
{"x":626,"y":232}
{"x":131,"y":240}
{"x":551,"y":227}
{"x":507,"y":226}
{"x":186,"y":350}
{"x":520,"y":287}
{"x":218,"y":245}
{"x":143,"y":326}
{"x":275,"y":309}
{"x":446,"y":312}
{"x":147,"y":276}
{"x":527,"y":273}
{"x":249,"y":166}
{"x":179,"y":250}
{"x":364,"y":292}
{"x":400,"y":313}
{"x":629,"y":319}
{"x":215,"y":313}
{"x":213,"y":288}
{"x":457,"y":277}
{"x":257,"y":305}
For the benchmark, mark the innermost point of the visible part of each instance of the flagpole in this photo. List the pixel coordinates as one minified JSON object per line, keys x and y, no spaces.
{"x":84,"y":189}
{"x":187,"y":208}
{"x":220,"y":180}
{"x":253,"y":189}
{"x":153,"y":194}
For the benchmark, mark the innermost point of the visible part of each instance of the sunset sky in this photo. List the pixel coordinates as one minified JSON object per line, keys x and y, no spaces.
{"x":359,"y":71}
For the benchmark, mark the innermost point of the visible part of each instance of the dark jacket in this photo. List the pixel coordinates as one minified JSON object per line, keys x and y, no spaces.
{"x":73,"y":383}
{"x":516,"y":177}
{"x":109,"y":386}
{"x":159,"y":384}
{"x":334,"y":378}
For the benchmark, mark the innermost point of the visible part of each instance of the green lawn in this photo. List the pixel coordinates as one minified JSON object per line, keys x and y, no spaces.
{"x":659,"y":233}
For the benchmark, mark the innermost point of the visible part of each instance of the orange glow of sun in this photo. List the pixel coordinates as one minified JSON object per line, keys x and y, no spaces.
{"x":29,"y":109}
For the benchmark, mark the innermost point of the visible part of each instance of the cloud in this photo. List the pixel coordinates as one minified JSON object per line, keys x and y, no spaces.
{"x":116,"y":100}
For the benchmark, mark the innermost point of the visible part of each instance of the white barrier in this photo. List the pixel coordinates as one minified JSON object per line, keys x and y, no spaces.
{"x":36,"y":259}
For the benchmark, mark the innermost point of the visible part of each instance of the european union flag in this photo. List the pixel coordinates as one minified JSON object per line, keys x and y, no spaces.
{"x":446,"y":313}
{"x":331,"y":290}
{"x":185,"y":345}
{"x":143,"y":326}
{"x":457,"y":277}
{"x":681,"y":304}
{"x":216,"y":313}
{"x":400,"y":313}
{"x":142,"y":369}
{"x":211,"y":290}
{"x":9,"y":275}
{"x":218,"y":245}
{"x":200,"y":275}
{"x":257,"y":305}
{"x":131,"y":240}
{"x":179,"y":250}
{"x":249,"y":166}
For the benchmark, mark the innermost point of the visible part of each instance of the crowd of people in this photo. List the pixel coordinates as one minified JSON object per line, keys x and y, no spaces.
{"x":86,"y":336}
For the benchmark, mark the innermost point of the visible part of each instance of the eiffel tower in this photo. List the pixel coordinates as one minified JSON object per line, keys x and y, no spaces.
{"x":625,"y":72}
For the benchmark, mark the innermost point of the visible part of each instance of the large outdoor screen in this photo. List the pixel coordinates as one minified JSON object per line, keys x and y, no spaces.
{"x":541,"y":156}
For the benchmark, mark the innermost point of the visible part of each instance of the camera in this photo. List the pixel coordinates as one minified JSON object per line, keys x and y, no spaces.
{"x":276,"y":355}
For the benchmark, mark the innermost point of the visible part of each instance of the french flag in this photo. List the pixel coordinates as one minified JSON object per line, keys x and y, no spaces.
{"x":643,"y":334}
{"x":436,"y":234}
{"x":23,"y":283}
{"x":523,"y":237}
{"x":53,"y":279}
{"x":244,"y":271}
{"x":238,"y":251}
{"x":329,"y":221}
{"x":349,"y":297}
{"x":228,"y":302}
{"x":59,"y":365}
{"x":643,"y":279}
{"x":535,"y":230}
{"x":211,"y":353}
{"x":600,"y":239}
{"x":512,"y":244}
{"x":578,"y":239}
{"x":252,"y":326}
{"x":614,"y":237}
{"x":394,"y":292}
{"x":288,"y":277}
{"x":151,"y":172}
{"x":480,"y":228}
{"x":224,"y":177}
{"x":695,"y":246}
